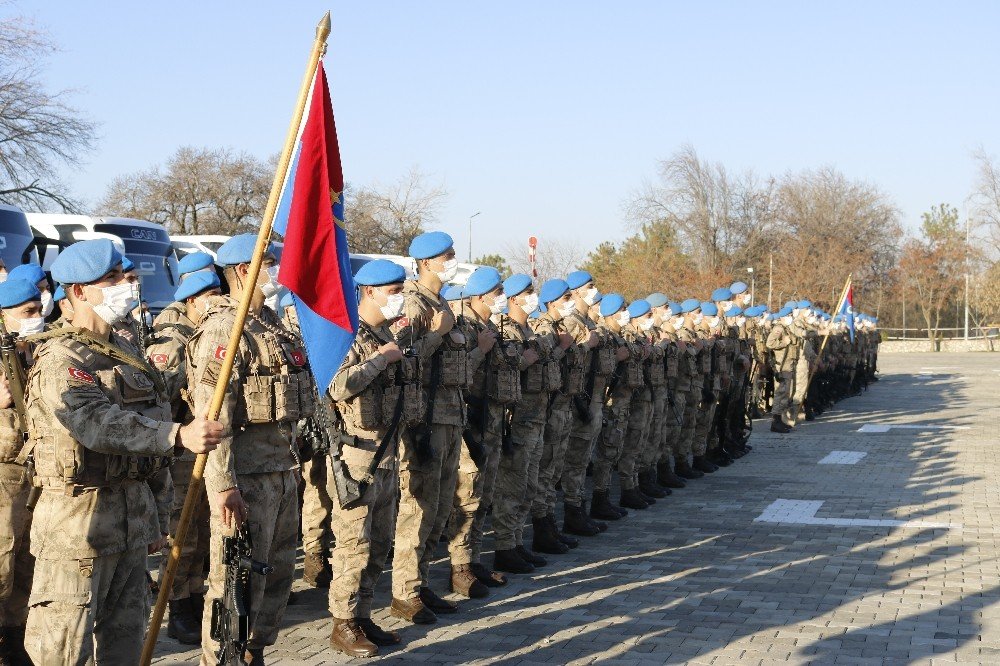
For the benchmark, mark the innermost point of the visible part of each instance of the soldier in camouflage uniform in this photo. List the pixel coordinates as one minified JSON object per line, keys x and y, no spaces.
{"x":678,"y":385}
{"x":253,"y":476}
{"x":694,"y":345}
{"x":167,"y":353}
{"x":655,"y":372}
{"x":783,"y":347}
{"x":95,"y":518}
{"x":709,"y":359}
{"x":641,"y":407}
{"x":429,"y":453}
{"x":517,"y":472}
{"x":370,"y":403}
{"x":22,"y":314}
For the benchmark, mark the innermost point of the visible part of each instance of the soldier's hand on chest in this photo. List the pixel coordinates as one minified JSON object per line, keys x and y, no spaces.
{"x":530,"y":356}
{"x":622,"y":353}
{"x":442,"y":322}
{"x":391,"y":352}
{"x":486,"y":340}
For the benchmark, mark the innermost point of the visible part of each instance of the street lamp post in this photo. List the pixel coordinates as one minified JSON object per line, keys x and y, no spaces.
{"x":470,"y":234}
{"x":753,"y":284}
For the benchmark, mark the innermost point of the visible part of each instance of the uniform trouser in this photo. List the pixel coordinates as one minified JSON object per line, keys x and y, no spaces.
{"x":16,"y":561}
{"x":553,"y":454}
{"x":673,"y":421}
{"x":635,"y":435}
{"x":474,"y":494}
{"x":517,"y":483}
{"x":316,"y":506}
{"x":705,"y":417}
{"x":190,"y":576}
{"x":783,"y":397}
{"x":427,"y":490}
{"x":650,"y":454}
{"x":801,"y":385}
{"x":364,"y":537}
{"x":690,"y":421}
{"x":611,"y":440}
{"x":582,"y":436}
{"x":737,"y":406}
{"x":88,"y":611}
{"x":273,"y":518}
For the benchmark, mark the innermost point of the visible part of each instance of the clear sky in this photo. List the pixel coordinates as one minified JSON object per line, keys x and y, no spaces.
{"x":546,"y":115}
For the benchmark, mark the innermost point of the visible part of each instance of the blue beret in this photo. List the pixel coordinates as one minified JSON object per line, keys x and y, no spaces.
{"x":32,"y":273}
{"x":734,"y":312}
{"x":515,"y":284}
{"x":755,"y":311}
{"x":738,"y":288}
{"x":791,"y":304}
{"x":722,"y":294}
{"x":674,"y":308}
{"x":804,"y":304}
{"x":430,"y":244}
{"x":638,"y":308}
{"x":709,"y":309}
{"x":552,"y":290}
{"x":482,"y":281}
{"x":452,"y":292}
{"x":611,"y":304}
{"x":577,"y":279}
{"x":127,"y":265}
{"x":195,"y":284}
{"x":286,"y":301}
{"x":196,"y":261}
{"x":599,"y":298}
{"x":378,"y":272}
{"x":239,"y":250}
{"x":60,"y":294}
{"x":783,"y":312}
{"x":656,"y":300}
{"x":17,"y":291}
{"x":85,"y":261}
{"x":690,"y":305}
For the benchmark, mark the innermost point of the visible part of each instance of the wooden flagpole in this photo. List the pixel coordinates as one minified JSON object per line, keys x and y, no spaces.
{"x":263,"y":240}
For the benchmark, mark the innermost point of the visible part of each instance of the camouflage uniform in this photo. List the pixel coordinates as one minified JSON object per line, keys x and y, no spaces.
{"x":427,"y":486}
{"x":167,"y":353}
{"x":96,"y":515}
{"x":16,"y":561}
{"x":656,"y":380}
{"x":805,"y":361}
{"x":782,"y":344}
{"x":693,"y":400}
{"x":615,"y":415}
{"x":640,"y":410}
{"x":678,"y":385}
{"x":269,"y":390}
{"x":365,"y":392}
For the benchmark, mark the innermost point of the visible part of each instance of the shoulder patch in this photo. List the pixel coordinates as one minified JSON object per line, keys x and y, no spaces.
{"x":158,"y":359}
{"x":402,"y":322}
{"x":298,"y":357}
{"x":220,"y":353}
{"x":75,"y":374}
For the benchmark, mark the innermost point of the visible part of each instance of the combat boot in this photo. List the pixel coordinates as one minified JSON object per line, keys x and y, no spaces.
{"x":702,"y":464}
{"x":436,"y":603}
{"x":777,"y":425}
{"x":348,"y":637}
{"x":567,"y":540}
{"x":720,"y":458}
{"x":575,"y":522}
{"x":511,"y":561}
{"x":529,"y":557}
{"x":182,"y":624}
{"x":465,"y":583}
{"x":316,"y":571}
{"x":666,"y":478}
{"x":412,"y":610}
{"x":648,"y":485}
{"x":631,"y":498}
{"x":544,"y":539}
{"x":377,"y":634}
{"x":487,"y":577}
{"x":602,"y":526}
{"x":601,"y":507}
{"x":685,"y":471}
{"x":12,"y":647}
{"x":254,"y":657}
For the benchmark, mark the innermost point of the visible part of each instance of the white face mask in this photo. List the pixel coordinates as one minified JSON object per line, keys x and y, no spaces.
{"x":787,"y":321}
{"x":591,"y":296}
{"x":498,"y":305}
{"x":568,"y":309}
{"x":698,"y":319}
{"x":678,"y":322}
{"x":271,"y":287}
{"x":646,"y":324}
{"x":393,"y":307}
{"x":530,"y":303}
{"x":47,"y":304}
{"x":714,"y":322}
{"x":450,"y":270}
{"x":31,"y":326}
{"x":3,"y":276}
{"x":119,"y":300}
{"x":740,"y":321}
{"x":624,"y":318}
{"x":746,"y":299}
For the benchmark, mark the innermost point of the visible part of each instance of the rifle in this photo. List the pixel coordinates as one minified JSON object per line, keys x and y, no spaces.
{"x":16,"y":379}
{"x":581,"y":401}
{"x":231,"y":612}
{"x":479,"y":410}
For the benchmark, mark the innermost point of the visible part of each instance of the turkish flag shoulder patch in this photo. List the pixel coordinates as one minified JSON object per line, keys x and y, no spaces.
{"x":79,"y":375}
{"x":158,"y":359}
{"x":220,"y":353}
{"x":298,"y":358}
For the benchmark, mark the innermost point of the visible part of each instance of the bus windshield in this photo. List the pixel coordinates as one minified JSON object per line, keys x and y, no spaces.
{"x":150,"y":250}
{"x":15,"y":236}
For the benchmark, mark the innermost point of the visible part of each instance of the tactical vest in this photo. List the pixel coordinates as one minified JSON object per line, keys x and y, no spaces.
{"x":62,"y":462}
{"x":656,"y":374}
{"x":374,"y":408}
{"x":452,"y":355}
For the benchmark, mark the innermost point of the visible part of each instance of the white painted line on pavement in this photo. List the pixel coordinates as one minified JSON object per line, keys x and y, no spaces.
{"x":880,"y":428}
{"x":842,"y":458}
{"x":803,"y":512}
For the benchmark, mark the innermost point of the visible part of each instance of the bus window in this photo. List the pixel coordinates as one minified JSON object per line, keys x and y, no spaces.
{"x":15,"y":238}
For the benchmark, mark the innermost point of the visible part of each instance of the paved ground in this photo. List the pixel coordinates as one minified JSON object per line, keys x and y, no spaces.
{"x":898,"y":564}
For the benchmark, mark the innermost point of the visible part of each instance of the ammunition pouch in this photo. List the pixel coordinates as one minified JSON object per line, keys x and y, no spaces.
{"x":455,"y":368}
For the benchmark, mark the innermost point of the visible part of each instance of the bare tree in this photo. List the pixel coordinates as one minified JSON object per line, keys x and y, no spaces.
{"x":39,"y":129}
{"x":197,"y":191}
{"x":985,"y":199}
{"x":384,"y":219}
{"x":555,"y":257}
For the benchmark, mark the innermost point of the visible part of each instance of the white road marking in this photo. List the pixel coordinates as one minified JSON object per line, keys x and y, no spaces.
{"x":803,"y":512}
{"x":880,"y":428}
{"x":843,"y":458}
